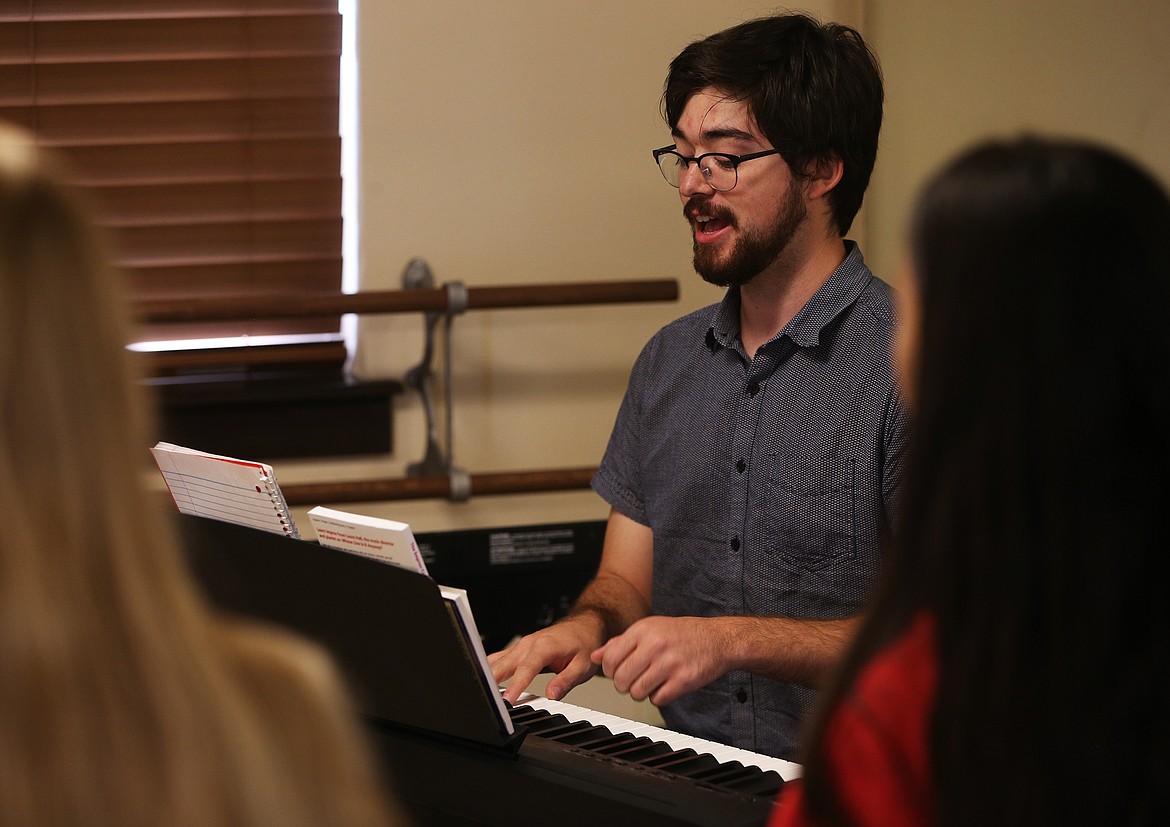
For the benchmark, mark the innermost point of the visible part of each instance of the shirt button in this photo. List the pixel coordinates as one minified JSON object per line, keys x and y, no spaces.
{"x":753,"y":388}
{"x":735,"y":544}
{"x":740,"y":466}
{"x":741,"y":695}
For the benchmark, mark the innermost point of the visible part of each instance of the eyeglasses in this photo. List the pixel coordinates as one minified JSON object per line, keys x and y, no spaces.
{"x":720,"y":170}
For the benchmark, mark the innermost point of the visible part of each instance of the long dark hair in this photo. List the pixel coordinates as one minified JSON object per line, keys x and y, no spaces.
{"x":814,"y":89}
{"x":1031,"y":527}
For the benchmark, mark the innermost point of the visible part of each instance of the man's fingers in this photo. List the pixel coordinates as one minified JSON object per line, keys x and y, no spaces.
{"x":647,"y":684}
{"x":614,"y":653}
{"x":579,"y":670}
{"x":525,"y":670}
{"x":503,"y":664}
{"x":668,"y":692}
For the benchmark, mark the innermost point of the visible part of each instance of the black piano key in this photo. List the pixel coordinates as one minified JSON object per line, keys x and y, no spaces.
{"x":523,"y":714}
{"x":551,"y":722}
{"x":600,"y":741}
{"x":673,"y":759}
{"x":727,"y":773}
{"x":637,"y":754}
{"x":622,"y":741}
{"x":585,"y":738}
{"x":700,"y":763}
{"x":612,"y":742}
{"x":668,"y":758}
{"x":603,"y":740}
{"x":764,"y":783}
{"x":569,"y":728}
{"x":721,"y":768}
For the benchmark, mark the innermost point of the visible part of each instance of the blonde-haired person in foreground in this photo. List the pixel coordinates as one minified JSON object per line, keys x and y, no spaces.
{"x":124,"y":698}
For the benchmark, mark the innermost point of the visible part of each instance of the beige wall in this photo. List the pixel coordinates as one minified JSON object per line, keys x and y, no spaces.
{"x":508,"y":142}
{"x":959,"y":71}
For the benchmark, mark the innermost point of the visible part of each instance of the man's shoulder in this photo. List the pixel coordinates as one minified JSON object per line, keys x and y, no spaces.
{"x":676,"y":343}
{"x":855,"y":294}
{"x":878,"y":301}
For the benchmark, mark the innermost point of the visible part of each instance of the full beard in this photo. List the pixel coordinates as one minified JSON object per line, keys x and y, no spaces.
{"x":755,"y":250}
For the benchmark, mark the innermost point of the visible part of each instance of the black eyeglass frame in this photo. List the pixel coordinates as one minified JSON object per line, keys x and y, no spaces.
{"x":735,"y":161}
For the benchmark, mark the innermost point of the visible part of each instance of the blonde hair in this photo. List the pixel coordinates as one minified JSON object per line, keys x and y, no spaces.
{"x":124,"y":699}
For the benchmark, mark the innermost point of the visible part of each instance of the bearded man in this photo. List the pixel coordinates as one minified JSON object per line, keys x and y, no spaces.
{"x":754,"y":466}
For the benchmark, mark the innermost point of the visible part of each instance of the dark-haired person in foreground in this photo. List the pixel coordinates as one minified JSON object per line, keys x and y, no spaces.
{"x":1015,"y":666}
{"x":754,"y":464}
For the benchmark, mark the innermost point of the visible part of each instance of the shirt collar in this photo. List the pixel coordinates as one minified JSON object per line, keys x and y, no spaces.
{"x":839,"y":291}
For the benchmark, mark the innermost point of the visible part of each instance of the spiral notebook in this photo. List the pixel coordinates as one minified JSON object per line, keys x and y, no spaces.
{"x":224,"y":488}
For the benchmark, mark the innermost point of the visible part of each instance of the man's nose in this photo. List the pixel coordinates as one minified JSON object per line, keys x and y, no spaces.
{"x":692,"y":181}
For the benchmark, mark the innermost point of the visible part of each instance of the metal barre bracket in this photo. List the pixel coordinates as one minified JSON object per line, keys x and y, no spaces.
{"x":435,"y":461}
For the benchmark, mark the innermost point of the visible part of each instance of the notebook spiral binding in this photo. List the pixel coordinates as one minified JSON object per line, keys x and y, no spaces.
{"x":280,"y":505}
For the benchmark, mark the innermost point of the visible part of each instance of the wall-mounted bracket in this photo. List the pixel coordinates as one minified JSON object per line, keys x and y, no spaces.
{"x":436,"y":461}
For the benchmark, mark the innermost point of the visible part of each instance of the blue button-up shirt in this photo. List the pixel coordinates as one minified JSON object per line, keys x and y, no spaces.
{"x":769,"y":483}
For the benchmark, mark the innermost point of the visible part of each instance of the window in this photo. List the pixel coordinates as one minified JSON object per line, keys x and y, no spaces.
{"x":207,"y":132}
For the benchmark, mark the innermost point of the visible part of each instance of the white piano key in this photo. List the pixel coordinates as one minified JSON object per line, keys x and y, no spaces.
{"x":676,"y":740}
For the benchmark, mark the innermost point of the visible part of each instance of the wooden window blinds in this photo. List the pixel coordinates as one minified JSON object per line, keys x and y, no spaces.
{"x":207,"y":132}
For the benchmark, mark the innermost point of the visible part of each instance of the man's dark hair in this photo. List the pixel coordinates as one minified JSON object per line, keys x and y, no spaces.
{"x":814,"y":89}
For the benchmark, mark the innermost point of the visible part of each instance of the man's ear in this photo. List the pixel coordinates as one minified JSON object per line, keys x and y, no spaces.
{"x":823,"y":175}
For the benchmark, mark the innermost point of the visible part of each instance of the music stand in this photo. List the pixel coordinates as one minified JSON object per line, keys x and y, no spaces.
{"x":389,"y":629}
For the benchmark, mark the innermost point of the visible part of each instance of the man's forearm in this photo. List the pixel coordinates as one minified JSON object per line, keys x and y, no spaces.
{"x":793,"y":651}
{"x":613,"y":601}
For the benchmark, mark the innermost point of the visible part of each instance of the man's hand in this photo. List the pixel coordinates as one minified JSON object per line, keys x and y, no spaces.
{"x":609,"y":603}
{"x":563,"y":648}
{"x":662,"y":658}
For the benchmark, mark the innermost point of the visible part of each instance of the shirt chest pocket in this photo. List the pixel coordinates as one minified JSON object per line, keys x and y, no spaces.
{"x":808,"y":516}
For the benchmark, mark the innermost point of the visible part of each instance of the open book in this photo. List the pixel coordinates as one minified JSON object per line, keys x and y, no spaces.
{"x":460,"y":608}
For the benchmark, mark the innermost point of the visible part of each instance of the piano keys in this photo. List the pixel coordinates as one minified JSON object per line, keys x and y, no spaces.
{"x":528,"y":712}
{"x":577,"y":766}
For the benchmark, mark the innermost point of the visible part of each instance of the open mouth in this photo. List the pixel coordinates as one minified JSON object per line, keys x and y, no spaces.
{"x":708,"y":222}
{"x":709,"y":227}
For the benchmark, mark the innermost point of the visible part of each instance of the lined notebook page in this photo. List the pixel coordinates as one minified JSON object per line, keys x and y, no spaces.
{"x":223,"y":488}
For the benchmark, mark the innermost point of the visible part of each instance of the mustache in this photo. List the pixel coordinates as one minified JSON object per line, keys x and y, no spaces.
{"x":698,"y":204}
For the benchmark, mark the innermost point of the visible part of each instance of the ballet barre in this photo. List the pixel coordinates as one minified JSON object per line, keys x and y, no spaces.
{"x":436,"y":475}
{"x":414,"y":300}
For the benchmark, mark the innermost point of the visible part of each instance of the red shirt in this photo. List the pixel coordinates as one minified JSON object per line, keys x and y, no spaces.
{"x":876,"y":743}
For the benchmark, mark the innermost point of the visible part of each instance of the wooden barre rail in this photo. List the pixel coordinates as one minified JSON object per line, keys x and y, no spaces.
{"x":421,"y":488}
{"x":434,"y":300}
{"x":452,"y":298}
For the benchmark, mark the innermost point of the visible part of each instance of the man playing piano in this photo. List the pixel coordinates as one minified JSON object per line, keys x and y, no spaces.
{"x":756,"y":456}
